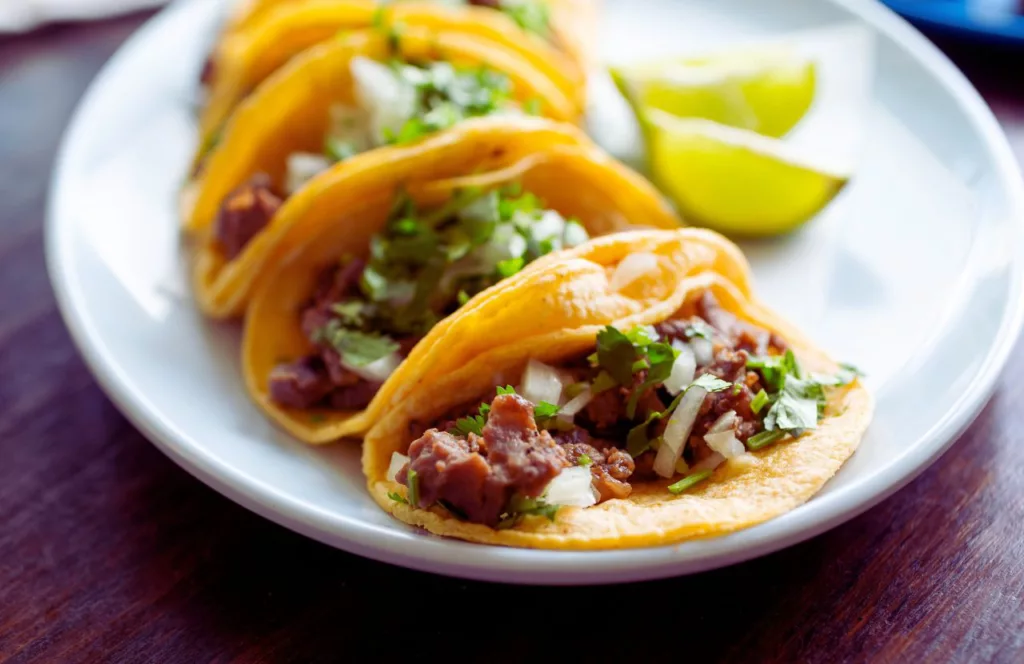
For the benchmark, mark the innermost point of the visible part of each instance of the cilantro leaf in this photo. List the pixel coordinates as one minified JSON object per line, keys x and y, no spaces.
{"x":545,"y":410}
{"x":616,"y":354}
{"x":357,"y":349}
{"x":397,"y":497}
{"x":792,"y":413}
{"x":584,"y":460}
{"x":467,"y":425}
{"x":759,"y":401}
{"x":699,"y":329}
{"x":637,"y":440}
{"x":507,"y":268}
{"x":520,"y":507}
{"x":338,"y":150}
{"x":660,"y":357}
{"x":508,"y":389}
{"x":710,"y":382}
{"x":350,"y":313}
{"x":531,"y":15}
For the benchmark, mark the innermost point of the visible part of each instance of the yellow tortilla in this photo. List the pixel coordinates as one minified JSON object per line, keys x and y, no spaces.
{"x":222,"y":287}
{"x":576,"y":180}
{"x":554,"y":312}
{"x":264,"y":43}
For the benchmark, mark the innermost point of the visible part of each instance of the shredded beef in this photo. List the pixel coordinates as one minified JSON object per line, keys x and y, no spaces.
{"x":493,"y":4}
{"x":244,"y":213}
{"x":479,"y":475}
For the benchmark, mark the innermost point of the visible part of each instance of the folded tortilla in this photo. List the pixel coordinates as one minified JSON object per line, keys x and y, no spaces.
{"x":264,"y":35}
{"x":555,"y":312}
{"x":289,"y":114}
{"x":577,"y":180}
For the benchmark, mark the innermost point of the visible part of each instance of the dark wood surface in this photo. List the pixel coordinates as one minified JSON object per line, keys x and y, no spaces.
{"x":110,"y":552}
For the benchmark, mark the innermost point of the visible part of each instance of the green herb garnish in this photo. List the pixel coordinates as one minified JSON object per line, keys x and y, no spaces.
{"x":759,"y":401}
{"x":689,"y":481}
{"x":413,"y":487}
{"x":397,"y":497}
{"x":584,"y":460}
{"x":764,"y":439}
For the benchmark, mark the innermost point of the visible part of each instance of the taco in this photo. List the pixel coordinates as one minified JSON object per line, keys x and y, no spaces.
{"x":328,"y":328}
{"x":633,"y":397}
{"x":274,"y":32}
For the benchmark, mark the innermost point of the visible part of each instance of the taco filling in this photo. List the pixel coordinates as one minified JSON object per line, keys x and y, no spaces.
{"x":396,"y":103}
{"x":367,"y":314}
{"x":668,"y":402}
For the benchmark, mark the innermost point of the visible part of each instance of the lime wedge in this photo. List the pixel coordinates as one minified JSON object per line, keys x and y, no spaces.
{"x":765,"y":90}
{"x":736,"y":181}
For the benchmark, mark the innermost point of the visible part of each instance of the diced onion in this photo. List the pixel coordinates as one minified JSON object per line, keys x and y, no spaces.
{"x":550,"y":224}
{"x":572,"y":486}
{"x":725,"y":443}
{"x":388,"y":99}
{"x":709,"y":463}
{"x":577,"y":403}
{"x":574,"y":234}
{"x":398,"y":461}
{"x":683,"y":370}
{"x":724,"y":422}
{"x":541,"y":383}
{"x":678,"y":431}
{"x":633,"y":267}
{"x":378,"y":370}
{"x":702,"y":350}
{"x":303,"y":167}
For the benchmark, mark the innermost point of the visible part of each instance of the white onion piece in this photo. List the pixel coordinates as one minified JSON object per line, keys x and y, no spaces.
{"x":577,"y":403}
{"x":725,"y":421}
{"x":678,"y":431}
{"x":574,"y":234}
{"x":725,"y":443}
{"x":388,"y":99}
{"x":710,"y":463}
{"x":683,"y":370}
{"x":633,"y":267}
{"x":378,"y":370}
{"x":702,"y":350}
{"x":541,"y":383}
{"x":398,"y":461}
{"x":572,"y":486}
{"x":303,"y":167}
{"x":550,"y":224}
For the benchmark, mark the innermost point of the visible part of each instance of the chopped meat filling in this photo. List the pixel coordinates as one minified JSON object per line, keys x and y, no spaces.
{"x":244,"y":213}
{"x":480,"y":474}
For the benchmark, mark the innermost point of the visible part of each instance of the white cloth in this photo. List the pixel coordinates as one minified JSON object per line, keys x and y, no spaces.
{"x":22,"y":15}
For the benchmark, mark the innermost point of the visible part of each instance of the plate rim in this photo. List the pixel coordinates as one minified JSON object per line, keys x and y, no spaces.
{"x":435,"y":555}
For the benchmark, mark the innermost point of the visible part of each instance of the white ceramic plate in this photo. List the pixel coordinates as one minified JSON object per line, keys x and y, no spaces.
{"x":914,"y":274}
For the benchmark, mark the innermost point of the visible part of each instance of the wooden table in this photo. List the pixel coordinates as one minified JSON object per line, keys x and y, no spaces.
{"x":110,"y":552}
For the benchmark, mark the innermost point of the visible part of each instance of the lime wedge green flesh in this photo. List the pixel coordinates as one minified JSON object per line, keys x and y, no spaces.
{"x":738,"y":187}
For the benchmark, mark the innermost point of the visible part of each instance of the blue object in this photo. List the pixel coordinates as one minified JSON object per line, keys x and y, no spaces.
{"x":996,"y":20}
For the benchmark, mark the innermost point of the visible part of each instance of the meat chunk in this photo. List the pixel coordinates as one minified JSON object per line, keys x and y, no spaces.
{"x":493,"y":4}
{"x":301,"y":384}
{"x":610,"y":467}
{"x":245,"y":212}
{"x":740,"y":334}
{"x":479,"y":475}
{"x":356,"y":396}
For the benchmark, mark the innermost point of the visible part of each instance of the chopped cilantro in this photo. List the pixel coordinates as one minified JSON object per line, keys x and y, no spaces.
{"x":637,"y":441}
{"x":584,"y":460}
{"x":660,"y":357}
{"x":759,"y":401}
{"x":357,"y":348}
{"x":350,"y":313}
{"x":710,"y":382}
{"x":397,"y":497}
{"x":545,"y":410}
{"x":603,"y":382}
{"x":520,"y":507}
{"x":532,"y":106}
{"x":467,"y":425}
{"x":792,"y":413}
{"x":414,"y":487}
{"x":764,"y":439}
{"x":616,"y":354}
{"x":463,"y":297}
{"x":508,"y":389}
{"x":507,"y":268}
{"x":689,"y":481}
{"x":737,"y":388}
